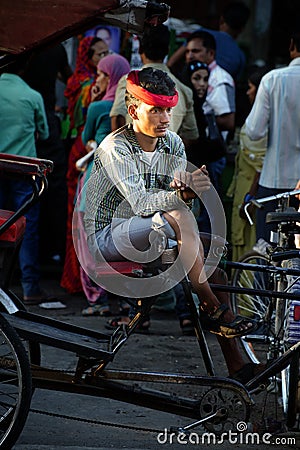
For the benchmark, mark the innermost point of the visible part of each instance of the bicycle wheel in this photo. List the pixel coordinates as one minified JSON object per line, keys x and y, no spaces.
{"x":15,"y":385}
{"x":33,"y":348}
{"x":293,"y":404}
{"x":254,"y":306}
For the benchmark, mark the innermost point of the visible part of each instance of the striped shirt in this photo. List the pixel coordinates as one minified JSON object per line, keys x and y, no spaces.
{"x":125,"y":183}
{"x":276,"y":112}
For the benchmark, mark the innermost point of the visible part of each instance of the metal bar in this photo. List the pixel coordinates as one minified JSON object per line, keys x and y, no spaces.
{"x":260,"y":292}
{"x":208,"y":362}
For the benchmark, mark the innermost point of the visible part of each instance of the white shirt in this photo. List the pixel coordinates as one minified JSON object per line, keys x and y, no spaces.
{"x":276,"y":111}
{"x":220,"y":93}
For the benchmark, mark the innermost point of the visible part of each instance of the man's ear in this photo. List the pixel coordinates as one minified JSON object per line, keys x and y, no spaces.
{"x":132,"y":111}
{"x":292,"y":45}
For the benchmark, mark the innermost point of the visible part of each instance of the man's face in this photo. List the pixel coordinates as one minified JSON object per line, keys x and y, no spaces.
{"x":151,"y":120}
{"x":195,"y":51}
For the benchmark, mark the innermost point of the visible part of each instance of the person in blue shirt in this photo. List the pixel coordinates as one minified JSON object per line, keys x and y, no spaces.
{"x":229,"y":55}
{"x":23,"y":118}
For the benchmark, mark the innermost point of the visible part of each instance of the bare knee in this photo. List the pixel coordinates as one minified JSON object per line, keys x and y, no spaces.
{"x":182,"y":220}
{"x":219,"y":277}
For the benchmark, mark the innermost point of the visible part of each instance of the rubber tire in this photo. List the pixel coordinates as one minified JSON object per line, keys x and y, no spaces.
{"x":237,"y":301}
{"x":294,"y":386}
{"x":12,"y":425}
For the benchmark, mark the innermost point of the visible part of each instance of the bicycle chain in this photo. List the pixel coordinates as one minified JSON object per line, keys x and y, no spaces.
{"x":91,"y":421}
{"x":94,"y":422}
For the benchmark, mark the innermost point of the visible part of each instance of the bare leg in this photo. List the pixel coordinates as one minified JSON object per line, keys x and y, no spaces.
{"x":192,"y":256}
{"x":230,"y":349}
{"x":189,"y":233}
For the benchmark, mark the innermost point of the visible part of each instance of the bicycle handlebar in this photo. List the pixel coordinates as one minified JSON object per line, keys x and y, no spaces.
{"x":15,"y":164}
{"x":35,"y":170}
{"x":258,"y":202}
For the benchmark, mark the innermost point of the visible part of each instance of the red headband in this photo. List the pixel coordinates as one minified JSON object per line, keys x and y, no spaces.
{"x":134,"y":88}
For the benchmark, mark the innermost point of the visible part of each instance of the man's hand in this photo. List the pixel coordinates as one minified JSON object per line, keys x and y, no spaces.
{"x":91,"y":145}
{"x":191,"y":184}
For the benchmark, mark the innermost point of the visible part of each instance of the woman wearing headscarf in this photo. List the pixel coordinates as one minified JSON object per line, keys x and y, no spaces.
{"x":98,"y":125}
{"x":78,"y":93}
{"x":210,"y":145}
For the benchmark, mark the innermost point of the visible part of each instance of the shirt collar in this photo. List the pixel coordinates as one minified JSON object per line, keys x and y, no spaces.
{"x":295,"y":62}
{"x":162,"y":143}
{"x":212,"y":65}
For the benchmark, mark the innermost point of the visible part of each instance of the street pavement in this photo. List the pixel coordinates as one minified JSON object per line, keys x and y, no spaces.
{"x":64,"y":421}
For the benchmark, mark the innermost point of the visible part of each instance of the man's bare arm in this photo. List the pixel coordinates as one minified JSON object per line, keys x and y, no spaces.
{"x":117,"y":122}
{"x":226,"y":122}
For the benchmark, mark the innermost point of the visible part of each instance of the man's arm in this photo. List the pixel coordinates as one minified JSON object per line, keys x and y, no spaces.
{"x":117,"y":122}
{"x":118,"y":111}
{"x":41,"y":122}
{"x":176,"y":61}
{"x":222,"y":101}
{"x":65,"y":70}
{"x":258,"y":120}
{"x":226,"y":122}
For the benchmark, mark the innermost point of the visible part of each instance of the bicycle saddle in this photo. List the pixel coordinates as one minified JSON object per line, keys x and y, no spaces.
{"x":289,"y":215}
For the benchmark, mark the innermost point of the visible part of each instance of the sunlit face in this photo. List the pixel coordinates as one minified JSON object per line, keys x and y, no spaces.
{"x":100,"y":50}
{"x":199,"y":81}
{"x":251,"y":92}
{"x":102,"y":81}
{"x":150,"y":120}
{"x":196,"y":51}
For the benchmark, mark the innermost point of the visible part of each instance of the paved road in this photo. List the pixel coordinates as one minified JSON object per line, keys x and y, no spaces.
{"x":162,"y":349}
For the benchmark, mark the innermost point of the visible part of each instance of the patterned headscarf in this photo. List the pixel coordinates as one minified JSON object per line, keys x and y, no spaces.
{"x":84,"y":74}
{"x":115,"y":66}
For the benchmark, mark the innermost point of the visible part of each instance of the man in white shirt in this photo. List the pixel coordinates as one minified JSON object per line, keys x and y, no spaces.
{"x":276,"y":113}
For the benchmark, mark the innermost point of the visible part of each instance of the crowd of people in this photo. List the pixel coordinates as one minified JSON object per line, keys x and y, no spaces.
{"x":125,"y":120}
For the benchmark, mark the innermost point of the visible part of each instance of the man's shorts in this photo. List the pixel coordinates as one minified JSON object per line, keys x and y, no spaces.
{"x":138,"y":239}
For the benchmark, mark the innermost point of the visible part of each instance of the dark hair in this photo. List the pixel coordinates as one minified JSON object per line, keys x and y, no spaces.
{"x":296,"y":39}
{"x":193,"y":66}
{"x":155,"y":81}
{"x":91,"y":51}
{"x":18,"y":63}
{"x":256,"y":76}
{"x":236,"y":15}
{"x":208,"y":39}
{"x":155,"y":42}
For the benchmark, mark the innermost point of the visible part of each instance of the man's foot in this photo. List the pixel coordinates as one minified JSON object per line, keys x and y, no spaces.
{"x":247,"y":372}
{"x":222,"y":322}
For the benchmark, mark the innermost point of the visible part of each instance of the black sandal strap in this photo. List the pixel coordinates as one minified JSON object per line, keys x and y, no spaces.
{"x":219,"y":312}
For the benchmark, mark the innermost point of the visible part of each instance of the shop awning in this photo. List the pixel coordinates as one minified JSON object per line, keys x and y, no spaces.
{"x":26,"y":24}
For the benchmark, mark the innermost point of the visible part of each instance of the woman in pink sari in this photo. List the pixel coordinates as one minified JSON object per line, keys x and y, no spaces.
{"x":98,"y":125}
{"x":78,"y":93}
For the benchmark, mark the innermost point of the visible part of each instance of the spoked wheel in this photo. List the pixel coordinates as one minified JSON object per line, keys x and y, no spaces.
{"x":15,"y":385}
{"x":255,"y":306}
{"x":268,"y":342}
{"x":293,"y":404}
{"x":33,"y":348}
